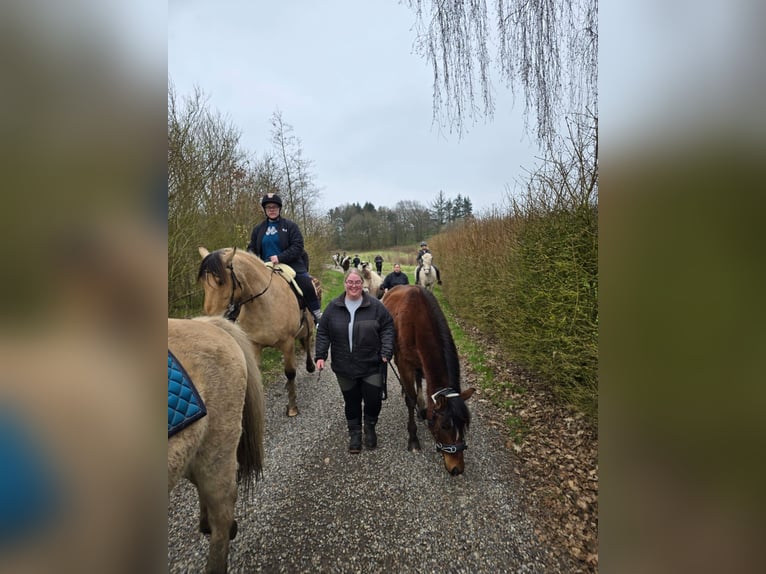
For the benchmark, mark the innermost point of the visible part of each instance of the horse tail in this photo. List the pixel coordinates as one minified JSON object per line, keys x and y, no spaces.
{"x":250,"y":451}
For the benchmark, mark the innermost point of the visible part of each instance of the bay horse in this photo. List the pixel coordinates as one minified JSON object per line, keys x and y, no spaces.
{"x":240,"y":285}
{"x":225,"y":446}
{"x":424,"y":348}
{"x":427,"y":277}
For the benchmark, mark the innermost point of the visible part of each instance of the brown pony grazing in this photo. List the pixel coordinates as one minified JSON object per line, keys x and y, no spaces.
{"x":241,"y":286}
{"x":424,"y":347}
{"x":226,"y":445}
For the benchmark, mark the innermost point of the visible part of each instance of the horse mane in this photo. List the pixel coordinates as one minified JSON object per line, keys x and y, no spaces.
{"x":457,"y":410}
{"x":451,"y":359}
{"x":213,"y":264}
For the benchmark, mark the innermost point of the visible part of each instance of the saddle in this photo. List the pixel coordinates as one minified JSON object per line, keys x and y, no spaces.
{"x":288,"y":274}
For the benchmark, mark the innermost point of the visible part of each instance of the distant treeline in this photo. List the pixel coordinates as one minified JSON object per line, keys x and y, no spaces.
{"x":358,"y":227}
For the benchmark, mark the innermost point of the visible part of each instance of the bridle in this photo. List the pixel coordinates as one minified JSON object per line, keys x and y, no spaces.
{"x":234,"y":307}
{"x":457,"y":447}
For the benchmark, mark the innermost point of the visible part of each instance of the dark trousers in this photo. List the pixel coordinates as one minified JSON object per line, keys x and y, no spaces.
{"x":359,"y":391}
{"x":309,"y":294}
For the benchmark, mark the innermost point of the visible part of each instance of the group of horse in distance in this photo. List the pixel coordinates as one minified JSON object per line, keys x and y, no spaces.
{"x":249,"y":306}
{"x":373,"y":281}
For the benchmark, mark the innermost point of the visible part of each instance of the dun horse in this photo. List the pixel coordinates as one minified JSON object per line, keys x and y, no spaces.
{"x":242,"y":286}
{"x":424,"y":347}
{"x":226,"y":445}
{"x":427,"y":273}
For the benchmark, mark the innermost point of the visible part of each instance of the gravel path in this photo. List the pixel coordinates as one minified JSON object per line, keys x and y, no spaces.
{"x":320,"y":509}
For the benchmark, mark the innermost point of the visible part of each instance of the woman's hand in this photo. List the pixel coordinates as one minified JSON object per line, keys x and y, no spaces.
{"x":320,"y":364}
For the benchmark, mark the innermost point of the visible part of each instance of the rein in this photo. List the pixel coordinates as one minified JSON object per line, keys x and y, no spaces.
{"x":234,"y":307}
{"x":447,"y":393}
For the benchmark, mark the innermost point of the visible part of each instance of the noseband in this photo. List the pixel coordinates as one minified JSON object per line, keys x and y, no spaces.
{"x":234,"y":307}
{"x":445,"y":447}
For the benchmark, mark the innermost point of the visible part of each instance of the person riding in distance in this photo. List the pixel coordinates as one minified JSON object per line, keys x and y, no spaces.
{"x":423,"y":250}
{"x":396,"y":277}
{"x":279,"y":240}
{"x":361,"y":332}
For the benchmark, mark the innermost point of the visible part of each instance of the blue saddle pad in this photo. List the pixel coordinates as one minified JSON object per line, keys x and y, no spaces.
{"x":184,"y":403}
{"x":30,"y":492}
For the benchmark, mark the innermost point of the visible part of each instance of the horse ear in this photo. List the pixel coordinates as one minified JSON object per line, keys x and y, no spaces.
{"x":467,"y":394}
{"x":203,"y":251}
{"x":229,"y":257}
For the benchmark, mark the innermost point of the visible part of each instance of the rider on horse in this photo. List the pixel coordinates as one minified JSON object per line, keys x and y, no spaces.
{"x":279,"y":240}
{"x":423,"y":250}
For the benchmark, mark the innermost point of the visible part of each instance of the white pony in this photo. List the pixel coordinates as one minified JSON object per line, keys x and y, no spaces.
{"x":427,"y":273}
{"x":372,"y":281}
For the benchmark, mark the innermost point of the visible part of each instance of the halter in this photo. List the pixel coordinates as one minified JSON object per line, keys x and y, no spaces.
{"x":234,"y":307}
{"x":444,"y":447}
{"x":448,"y":394}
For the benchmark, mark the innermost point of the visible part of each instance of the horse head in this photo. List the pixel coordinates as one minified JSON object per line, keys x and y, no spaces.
{"x":216,"y":274}
{"x":427,"y":261}
{"x":448,"y":421}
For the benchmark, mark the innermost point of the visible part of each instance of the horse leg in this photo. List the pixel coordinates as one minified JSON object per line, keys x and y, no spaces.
{"x":288,"y":352}
{"x":421,"y":402}
{"x":413,"y":444}
{"x":218,"y":493}
{"x":204,"y":522}
{"x":307,"y":341}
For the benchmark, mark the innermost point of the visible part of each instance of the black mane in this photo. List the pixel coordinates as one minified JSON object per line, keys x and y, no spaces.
{"x":213,"y":264}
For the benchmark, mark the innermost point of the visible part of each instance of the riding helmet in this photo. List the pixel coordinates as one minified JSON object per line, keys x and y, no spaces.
{"x":271,"y":198}
{"x":423,"y":243}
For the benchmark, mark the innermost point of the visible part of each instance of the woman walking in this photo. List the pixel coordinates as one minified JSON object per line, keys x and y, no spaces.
{"x":360,"y":331}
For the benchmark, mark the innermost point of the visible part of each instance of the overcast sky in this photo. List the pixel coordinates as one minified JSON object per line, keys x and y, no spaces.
{"x":345,"y":76}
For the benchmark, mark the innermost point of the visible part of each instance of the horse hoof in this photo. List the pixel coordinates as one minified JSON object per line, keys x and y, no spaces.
{"x":414,"y":447}
{"x":311,"y":367}
{"x":292,"y":411}
{"x":233,"y":530}
{"x":204,"y":527}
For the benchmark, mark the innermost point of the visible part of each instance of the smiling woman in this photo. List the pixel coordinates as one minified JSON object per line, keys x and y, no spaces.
{"x":361,"y":332}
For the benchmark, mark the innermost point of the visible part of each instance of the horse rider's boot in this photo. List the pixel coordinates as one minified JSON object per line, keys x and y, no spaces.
{"x":370,"y":438}
{"x":355,"y":436}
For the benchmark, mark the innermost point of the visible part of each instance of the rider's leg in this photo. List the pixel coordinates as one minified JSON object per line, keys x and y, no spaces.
{"x":309,"y":294}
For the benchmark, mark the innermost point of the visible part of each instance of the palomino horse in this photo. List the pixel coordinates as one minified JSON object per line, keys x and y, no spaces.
{"x":427,"y":273}
{"x":240,"y":285}
{"x":225,"y":446}
{"x":424,"y":348}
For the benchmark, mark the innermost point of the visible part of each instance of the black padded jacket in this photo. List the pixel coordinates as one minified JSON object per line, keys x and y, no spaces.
{"x":373,"y":337}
